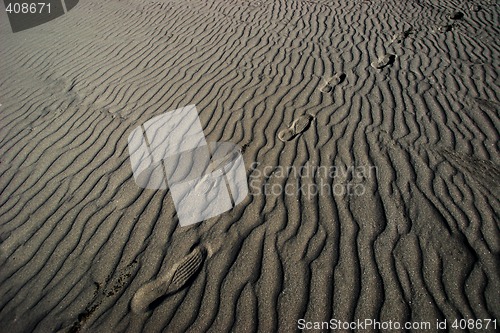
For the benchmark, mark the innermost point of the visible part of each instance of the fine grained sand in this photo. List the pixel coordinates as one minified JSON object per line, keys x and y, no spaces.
{"x":408,"y":89}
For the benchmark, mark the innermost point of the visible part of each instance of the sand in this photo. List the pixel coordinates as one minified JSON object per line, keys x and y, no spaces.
{"x":401,"y":98}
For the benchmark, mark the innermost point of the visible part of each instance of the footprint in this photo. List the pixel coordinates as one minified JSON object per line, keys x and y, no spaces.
{"x":298,"y":126}
{"x":286,"y":134}
{"x":400,"y":36}
{"x":456,"y":15}
{"x":444,"y":28}
{"x":170,"y":282}
{"x":331,"y":82}
{"x":475,"y":8}
{"x":383,"y":61}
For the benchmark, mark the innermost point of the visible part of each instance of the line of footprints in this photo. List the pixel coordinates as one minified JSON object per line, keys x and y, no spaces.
{"x":302,"y":123}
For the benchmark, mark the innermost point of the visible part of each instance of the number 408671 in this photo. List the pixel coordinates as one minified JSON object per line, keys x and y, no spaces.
{"x":28,"y":8}
{"x":475,"y":324}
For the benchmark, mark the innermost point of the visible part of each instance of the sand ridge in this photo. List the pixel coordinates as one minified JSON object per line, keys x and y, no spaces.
{"x":78,"y":238}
